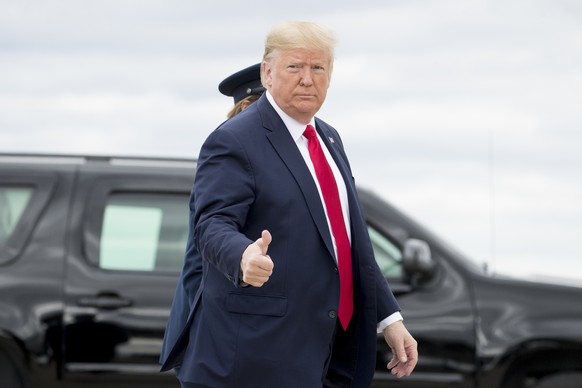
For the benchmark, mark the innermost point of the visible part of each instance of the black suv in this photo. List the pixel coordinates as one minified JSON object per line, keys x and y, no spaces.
{"x":91,"y":248}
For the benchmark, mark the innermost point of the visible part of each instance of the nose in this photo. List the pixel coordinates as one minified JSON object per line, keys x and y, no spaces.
{"x":306,"y":79}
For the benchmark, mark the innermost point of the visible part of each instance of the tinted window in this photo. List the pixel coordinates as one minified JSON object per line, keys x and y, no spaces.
{"x":144,"y":232}
{"x":13,"y":202}
{"x":388,"y":255}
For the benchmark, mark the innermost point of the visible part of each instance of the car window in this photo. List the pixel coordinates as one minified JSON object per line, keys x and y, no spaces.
{"x":388,"y":255}
{"x":13,"y":202}
{"x":144,"y":232}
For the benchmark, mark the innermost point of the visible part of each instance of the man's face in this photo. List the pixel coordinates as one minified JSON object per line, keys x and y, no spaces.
{"x":298,"y":80}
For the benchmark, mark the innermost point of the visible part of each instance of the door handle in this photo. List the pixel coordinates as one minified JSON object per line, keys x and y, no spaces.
{"x":105,"y":301}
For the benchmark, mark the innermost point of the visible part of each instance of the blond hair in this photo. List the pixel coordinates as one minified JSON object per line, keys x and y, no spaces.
{"x":299,"y":35}
{"x":242,"y":105}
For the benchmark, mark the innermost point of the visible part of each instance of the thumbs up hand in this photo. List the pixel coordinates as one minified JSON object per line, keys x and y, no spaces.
{"x":255,"y":264}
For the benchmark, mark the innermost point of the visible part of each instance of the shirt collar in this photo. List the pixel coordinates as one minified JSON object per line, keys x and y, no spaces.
{"x":293,"y":126}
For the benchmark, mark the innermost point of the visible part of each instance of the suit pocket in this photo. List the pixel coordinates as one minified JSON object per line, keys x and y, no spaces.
{"x":275,"y":306}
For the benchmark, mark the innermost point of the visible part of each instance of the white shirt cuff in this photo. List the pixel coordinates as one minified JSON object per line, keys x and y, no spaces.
{"x":388,"y":321}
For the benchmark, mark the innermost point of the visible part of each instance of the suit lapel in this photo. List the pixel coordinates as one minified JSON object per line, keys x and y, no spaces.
{"x":286,"y":148}
{"x":334,"y":148}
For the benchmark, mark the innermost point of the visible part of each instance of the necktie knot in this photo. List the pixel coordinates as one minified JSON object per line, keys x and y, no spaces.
{"x":309,"y":132}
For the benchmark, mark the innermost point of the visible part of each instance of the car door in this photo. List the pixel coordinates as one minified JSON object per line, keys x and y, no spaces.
{"x":127,"y":248}
{"x":33,"y":208}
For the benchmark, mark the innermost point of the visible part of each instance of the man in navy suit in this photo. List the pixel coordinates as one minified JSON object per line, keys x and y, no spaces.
{"x":270,"y":310}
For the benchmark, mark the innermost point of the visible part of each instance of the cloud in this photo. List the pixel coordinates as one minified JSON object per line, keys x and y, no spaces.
{"x":464,"y":114}
{"x":459,"y":119}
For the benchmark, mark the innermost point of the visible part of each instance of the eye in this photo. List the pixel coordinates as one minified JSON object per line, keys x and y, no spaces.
{"x":293,"y":67}
{"x":318,"y":69}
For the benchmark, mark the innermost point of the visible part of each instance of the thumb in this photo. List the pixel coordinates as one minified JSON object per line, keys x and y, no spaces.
{"x":264,"y":241}
{"x":400,"y":352}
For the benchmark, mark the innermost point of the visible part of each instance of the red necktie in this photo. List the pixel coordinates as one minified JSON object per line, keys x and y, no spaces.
{"x":333,"y":206}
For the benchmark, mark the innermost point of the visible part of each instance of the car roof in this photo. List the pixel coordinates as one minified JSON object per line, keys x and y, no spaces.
{"x":88,"y":159}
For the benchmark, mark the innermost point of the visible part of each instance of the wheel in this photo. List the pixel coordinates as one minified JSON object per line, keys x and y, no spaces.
{"x":561,"y":380}
{"x":10,"y":376}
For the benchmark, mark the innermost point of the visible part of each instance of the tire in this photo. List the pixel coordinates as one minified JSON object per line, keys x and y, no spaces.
{"x":561,"y":380}
{"x":10,"y":376}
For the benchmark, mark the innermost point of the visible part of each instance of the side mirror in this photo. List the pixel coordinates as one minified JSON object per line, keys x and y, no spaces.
{"x":417,"y":260}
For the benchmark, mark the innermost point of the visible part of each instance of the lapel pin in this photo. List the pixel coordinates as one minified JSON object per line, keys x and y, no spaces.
{"x":331,"y":140}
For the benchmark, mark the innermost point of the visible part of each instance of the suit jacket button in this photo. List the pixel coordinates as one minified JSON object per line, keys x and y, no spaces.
{"x":335,"y":269}
{"x":332,"y":314}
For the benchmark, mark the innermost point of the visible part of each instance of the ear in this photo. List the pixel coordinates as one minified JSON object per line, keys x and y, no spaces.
{"x":266,"y":70}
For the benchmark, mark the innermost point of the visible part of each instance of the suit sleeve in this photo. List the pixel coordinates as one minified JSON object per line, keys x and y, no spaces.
{"x":387,"y":304}
{"x":192,"y":271}
{"x":223,"y":193}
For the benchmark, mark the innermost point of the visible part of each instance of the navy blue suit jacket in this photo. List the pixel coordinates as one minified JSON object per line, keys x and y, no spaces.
{"x":250,"y":177}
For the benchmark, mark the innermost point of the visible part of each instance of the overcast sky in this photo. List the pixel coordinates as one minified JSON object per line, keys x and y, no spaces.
{"x":465,"y":114}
